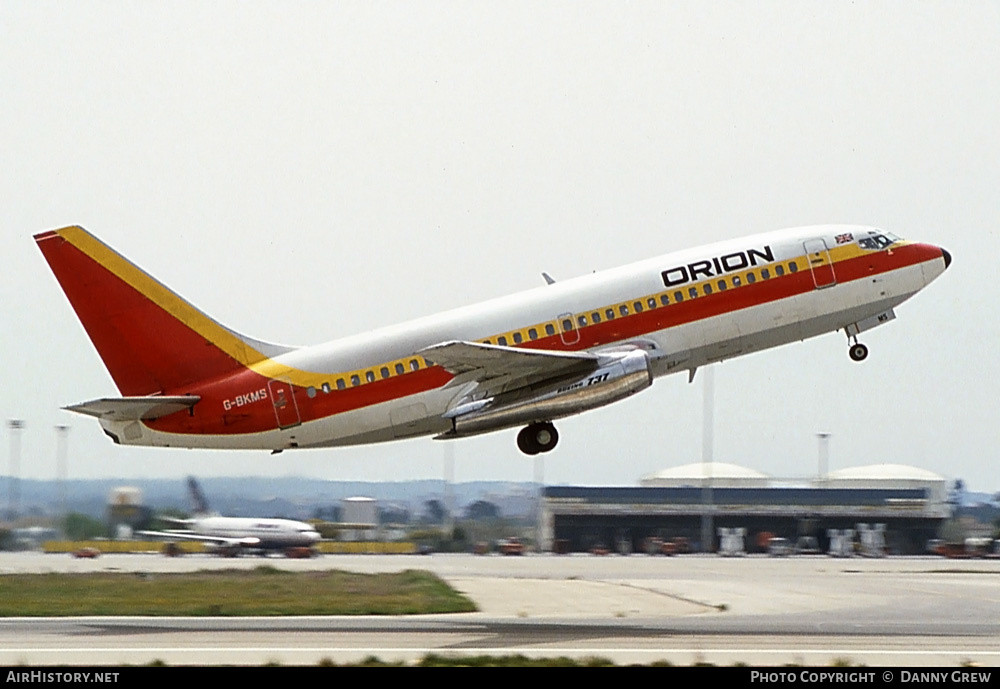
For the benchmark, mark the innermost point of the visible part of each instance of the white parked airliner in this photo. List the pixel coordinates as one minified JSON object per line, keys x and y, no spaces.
{"x":522,"y":360}
{"x":234,"y":535}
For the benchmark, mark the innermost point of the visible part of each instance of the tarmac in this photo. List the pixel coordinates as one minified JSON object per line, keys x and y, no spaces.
{"x":808,"y":610}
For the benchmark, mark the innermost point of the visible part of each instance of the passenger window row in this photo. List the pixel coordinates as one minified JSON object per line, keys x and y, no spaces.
{"x":353,"y":380}
{"x":582,"y":320}
{"x":693,"y":292}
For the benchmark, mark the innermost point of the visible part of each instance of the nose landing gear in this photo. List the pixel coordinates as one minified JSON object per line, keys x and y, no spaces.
{"x":537,"y":438}
{"x":858,"y":351}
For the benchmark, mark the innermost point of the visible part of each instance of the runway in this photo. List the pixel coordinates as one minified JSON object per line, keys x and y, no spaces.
{"x":814,"y":611}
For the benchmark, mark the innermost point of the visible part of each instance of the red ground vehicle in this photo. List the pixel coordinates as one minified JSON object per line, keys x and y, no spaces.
{"x":511,"y":546}
{"x":300,"y":552}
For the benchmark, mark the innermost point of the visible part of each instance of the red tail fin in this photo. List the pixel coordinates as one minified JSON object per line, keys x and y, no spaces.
{"x":150,"y":339}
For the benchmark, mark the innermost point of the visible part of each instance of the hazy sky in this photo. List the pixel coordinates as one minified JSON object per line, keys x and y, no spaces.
{"x":303,"y":171}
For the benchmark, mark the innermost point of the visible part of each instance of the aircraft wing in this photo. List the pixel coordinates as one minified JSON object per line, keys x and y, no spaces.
{"x":134,"y":408}
{"x":496,"y":368}
{"x":247,"y":541}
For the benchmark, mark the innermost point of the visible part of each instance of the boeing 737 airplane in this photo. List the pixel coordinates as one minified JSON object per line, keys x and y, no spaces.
{"x":522,"y":360}
{"x":234,"y":535}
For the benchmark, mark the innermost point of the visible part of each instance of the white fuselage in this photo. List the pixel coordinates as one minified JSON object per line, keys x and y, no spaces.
{"x":741,"y":318}
{"x":268,"y":533}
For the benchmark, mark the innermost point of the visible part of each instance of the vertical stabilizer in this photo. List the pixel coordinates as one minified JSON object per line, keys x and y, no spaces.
{"x":149,"y":338}
{"x":198,"y":501}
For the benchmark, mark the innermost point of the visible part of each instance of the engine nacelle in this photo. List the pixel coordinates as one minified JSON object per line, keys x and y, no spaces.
{"x":619,"y":376}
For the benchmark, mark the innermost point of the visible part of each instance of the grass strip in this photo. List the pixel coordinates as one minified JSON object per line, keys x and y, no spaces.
{"x":264,"y":591}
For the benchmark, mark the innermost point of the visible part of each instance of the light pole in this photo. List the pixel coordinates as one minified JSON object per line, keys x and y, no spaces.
{"x":449,"y":485}
{"x":824,"y":455}
{"x":61,"y":469}
{"x":540,"y":505}
{"x":707,"y":437}
{"x":14,"y":494}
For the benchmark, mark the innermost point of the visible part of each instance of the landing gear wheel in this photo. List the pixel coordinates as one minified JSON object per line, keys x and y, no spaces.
{"x":545,"y":436}
{"x":858,"y":352}
{"x":536,"y":438}
{"x":525,"y":443}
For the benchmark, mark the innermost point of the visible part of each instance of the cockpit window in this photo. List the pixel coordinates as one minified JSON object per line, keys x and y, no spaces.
{"x":876,"y":241}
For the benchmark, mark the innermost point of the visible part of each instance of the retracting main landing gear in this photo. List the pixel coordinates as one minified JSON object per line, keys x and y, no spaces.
{"x":537,"y":438}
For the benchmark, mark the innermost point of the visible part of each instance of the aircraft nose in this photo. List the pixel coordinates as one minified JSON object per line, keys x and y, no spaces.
{"x":947,"y":258}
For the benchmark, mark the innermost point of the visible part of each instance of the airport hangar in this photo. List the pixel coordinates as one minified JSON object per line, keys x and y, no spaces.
{"x":911,"y":503}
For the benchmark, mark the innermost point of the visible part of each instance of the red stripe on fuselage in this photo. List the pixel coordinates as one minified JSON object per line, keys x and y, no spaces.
{"x":209,"y":416}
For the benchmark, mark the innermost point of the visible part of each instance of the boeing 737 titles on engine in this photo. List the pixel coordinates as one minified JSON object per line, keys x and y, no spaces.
{"x":522,"y":360}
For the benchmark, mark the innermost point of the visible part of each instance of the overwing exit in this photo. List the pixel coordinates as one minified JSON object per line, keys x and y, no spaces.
{"x":525,"y":360}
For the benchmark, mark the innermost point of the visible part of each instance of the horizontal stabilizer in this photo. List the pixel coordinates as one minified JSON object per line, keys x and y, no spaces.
{"x":134,"y":408}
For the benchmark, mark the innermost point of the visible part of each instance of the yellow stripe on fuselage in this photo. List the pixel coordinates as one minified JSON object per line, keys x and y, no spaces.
{"x":267,"y":367}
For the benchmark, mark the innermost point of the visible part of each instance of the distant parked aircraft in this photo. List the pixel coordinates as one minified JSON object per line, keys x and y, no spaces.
{"x":233,"y":535}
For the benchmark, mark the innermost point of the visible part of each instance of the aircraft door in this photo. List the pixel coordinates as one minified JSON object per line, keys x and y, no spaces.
{"x":286,"y":411}
{"x":820,"y":263}
{"x":568,"y":332}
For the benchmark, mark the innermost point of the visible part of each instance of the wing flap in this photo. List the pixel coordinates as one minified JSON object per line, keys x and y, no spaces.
{"x":495,"y":368}
{"x":459,"y":357}
{"x":134,"y":408}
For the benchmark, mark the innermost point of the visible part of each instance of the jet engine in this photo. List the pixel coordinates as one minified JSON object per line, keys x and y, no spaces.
{"x":617,"y":376}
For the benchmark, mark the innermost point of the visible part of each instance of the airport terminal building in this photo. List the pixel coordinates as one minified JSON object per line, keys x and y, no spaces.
{"x":906,"y":504}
